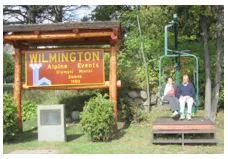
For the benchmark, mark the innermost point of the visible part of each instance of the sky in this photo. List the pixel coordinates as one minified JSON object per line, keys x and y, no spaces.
{"x":85,"y":11}
{"x":80,"y":13}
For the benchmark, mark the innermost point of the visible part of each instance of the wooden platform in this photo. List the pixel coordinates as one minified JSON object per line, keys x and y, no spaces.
{"x":197,"y":123}
{"x":175,"y":131}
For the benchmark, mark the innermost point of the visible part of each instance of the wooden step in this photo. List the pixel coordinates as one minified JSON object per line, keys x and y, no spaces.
{"x":197,"y":123}
{"x":183,"y":131}
{"x":201,"y":141}
{"x":187,"y":141}
{"x":166,"y":141}
{"x":183,"y":127}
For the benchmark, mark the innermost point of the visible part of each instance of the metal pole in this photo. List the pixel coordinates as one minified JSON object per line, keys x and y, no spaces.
{"x":176,"y":48}
{"x":160,"y":80}
{"x":166,"y":38}
{"x":197,"y":82}
{"x":175,"y":31}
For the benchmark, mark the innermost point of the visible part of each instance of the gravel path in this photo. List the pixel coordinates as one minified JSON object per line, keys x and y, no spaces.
{"x":34,"y":152}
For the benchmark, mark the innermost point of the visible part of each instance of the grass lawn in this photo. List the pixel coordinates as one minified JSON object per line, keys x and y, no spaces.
{"x":130,"y":139}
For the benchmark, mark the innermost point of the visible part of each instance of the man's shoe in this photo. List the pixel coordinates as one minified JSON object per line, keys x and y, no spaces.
{"x":189,"y":117}
{"x":175,"y":114}
{"x":182,"y":117}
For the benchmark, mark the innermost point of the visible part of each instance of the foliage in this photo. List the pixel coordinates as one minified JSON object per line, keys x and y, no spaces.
{"x":140,"y":115}
{"x":130,"y":112}
{"x":39,"y":96}
{"x":129,"y":65}
{"x":221,"y":98}
{"x":30,"y":14}
{"x":74,"y":100}
{"x":97,"y":118}
{"x":8,"y":67}
{"x":29,"y":110}
{"x":127,"y":110}
{"x":152,"y":20}
{"x":9,"y":120}
{"x":112,"y":12}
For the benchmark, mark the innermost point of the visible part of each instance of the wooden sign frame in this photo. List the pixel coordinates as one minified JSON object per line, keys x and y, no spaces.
{"x":27,"y":36}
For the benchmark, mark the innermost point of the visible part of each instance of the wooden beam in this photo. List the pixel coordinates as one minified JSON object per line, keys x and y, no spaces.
{"x":17,"y":44}
{"x":13,"y":53}
{"x":105,"y":42}
{"x":114,"y":35}
{"x":106,"y":50}
{"x":58,"y":49}
{"x":64,"y":42}
{"x":106,"y":85}
{"x":75,"y":30}
{"x":17,"y":88}
{"x":72,"y":30}
{"x":57,"y":36}
{"x":7,"y":42}
{"x":37,"y":32}
{"x":113,"y":86}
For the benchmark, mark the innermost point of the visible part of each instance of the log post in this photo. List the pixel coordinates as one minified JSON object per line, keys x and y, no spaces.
{"x":113,"y":85}
{"x":17,"y":87}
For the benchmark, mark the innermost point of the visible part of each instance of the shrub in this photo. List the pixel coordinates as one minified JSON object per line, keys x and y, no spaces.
{"x":127,"y":110}
{"x":140,"y":115}
{"x":9,"y":120}
{"x":131,"y":112}
{"x":28,"y":110}
{"x":97,"y":118}
{"x":38,"y":96}
{"x":74,"y":100}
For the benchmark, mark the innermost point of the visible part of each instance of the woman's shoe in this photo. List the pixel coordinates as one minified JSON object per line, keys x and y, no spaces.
{"x":175,"y":114}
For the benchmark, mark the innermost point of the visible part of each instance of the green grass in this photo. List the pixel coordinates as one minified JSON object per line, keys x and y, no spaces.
{"x":130,"y":139}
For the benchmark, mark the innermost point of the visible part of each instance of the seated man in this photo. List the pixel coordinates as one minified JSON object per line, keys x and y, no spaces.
{"x":168,"y":93}
{"x":186,"y":93}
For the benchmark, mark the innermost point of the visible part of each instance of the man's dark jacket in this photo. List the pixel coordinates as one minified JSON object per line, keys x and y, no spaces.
{"x":188,"y":90}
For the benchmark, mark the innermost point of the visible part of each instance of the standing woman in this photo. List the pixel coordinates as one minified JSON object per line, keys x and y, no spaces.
{"x":168,"y":93}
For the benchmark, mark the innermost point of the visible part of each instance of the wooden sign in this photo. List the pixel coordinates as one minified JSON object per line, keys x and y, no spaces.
{"x":70,"y":67}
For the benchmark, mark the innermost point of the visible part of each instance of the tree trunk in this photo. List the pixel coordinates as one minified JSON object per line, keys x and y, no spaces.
{"x":215,"y":97}
{"x":31,"y":15}
{"x":58,"y":13}
{"x":145,"y":65}
{"x":207,"y":101}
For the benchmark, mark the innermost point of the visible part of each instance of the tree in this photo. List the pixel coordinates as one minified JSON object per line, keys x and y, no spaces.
{"x":207,"y":100}
{"x":30,"y":14}
{"x":8,"y":67}
{"x":202,"y":20}
{"x":85,"y":19}
{"x":215,"y":97}
{"x":22,"y":14}
{"x":61,"y":13}
{"x":109,"y":12}
{"x":145,"y":65}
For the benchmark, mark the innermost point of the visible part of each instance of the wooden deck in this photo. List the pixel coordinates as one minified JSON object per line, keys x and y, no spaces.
{"x":197,"y":123}
{"x":201,"y":129}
